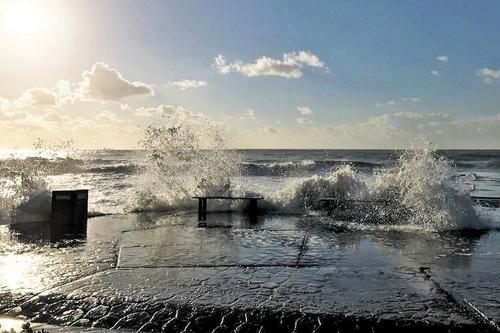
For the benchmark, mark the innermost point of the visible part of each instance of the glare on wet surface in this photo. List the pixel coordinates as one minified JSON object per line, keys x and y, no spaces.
{"x":284,"y":263}
{"x":13,"y":325}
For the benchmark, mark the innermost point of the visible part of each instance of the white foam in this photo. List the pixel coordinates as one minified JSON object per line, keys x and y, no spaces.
{"x":187,"y":155}
{"x":418,"y":191}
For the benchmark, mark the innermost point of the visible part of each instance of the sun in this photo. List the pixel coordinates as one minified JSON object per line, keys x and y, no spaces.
{"x":23,"y":18}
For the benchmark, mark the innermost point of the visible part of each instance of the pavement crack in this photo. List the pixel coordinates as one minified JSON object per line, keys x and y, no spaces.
{"x":302,"y":248}
{"x":117,"y":254}
{"x":469,"y":308}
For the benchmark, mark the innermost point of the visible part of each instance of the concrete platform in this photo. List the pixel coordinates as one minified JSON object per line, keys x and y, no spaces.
{"x":153,"y":272}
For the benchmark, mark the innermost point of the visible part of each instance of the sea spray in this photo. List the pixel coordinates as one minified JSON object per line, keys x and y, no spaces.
{"x":24,"y":191}
{"x":417,"y":191}
{"x":425,"y":189}
{"x":187,"y":155}
{"x":305,"y":194}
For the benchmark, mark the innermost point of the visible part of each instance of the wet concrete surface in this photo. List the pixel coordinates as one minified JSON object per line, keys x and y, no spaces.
{"x":152,"y":272}
{"x":9,"y":325}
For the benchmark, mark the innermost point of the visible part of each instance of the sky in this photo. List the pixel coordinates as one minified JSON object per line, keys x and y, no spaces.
{"x":277,"y":74}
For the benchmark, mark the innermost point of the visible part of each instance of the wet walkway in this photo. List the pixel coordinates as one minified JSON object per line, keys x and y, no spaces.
{"x":162,"y":272}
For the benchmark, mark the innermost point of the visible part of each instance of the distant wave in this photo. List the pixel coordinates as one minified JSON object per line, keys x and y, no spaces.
{"x":259,"y":168}
{"x":299,"y":168}
{"x":256,"y":168}
{"x":481,"y":165}
{"x":114,"y":169}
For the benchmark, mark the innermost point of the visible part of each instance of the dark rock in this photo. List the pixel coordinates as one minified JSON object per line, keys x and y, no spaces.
{"x":97,"y":312}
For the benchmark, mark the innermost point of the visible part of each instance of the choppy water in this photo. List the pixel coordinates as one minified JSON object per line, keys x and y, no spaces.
{"x":284,"y":177}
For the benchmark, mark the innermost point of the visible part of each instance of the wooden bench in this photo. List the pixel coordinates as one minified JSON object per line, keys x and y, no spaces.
{"x":202,"y":204}
{"x":492,"y":202}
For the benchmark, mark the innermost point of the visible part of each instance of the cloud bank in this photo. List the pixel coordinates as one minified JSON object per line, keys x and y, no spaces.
{"x":290,"y":66}
{"x":37,"y":97}
{"x":304,"y":110}
{"x":397,"y":130}
{"x":188,"y":84}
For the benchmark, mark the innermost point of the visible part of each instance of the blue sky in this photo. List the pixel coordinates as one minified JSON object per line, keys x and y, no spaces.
{"x":379,"y":67}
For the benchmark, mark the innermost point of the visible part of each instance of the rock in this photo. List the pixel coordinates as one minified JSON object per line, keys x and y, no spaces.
{"x":82,"y":322}
{"x":270,"y":285}
{"x":97,"y":312}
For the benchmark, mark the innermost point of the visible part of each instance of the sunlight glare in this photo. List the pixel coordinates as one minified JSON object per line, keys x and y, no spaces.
{"x":23,"y":18}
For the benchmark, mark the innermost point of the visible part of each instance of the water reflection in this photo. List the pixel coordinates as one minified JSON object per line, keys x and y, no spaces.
{"x":233,"y":239}
{"x":21,"y":272}
{"x":41,"y":232}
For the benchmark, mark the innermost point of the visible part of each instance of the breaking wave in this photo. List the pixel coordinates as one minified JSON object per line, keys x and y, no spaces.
{"x":187,"y":155}
{"x":418,"y":191}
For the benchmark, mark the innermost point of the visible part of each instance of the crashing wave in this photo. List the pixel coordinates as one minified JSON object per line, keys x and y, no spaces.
{"x":419,"y":192}
{"x":187,"y":155}
{"x":24,"y":191}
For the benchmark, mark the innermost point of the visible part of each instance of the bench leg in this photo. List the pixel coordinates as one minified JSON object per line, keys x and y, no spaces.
{"x":200,"y":209}
{"x":204,"y":213}
{"x":252,"y":207}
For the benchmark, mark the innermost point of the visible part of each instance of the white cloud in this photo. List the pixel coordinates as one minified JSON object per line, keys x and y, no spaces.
{"x":156,"y":111}
{"x":269,"y":130}
{"x":104,"y":83}
{"x":187,"y":84}
{"x":389,"y":102}
{"x":42,"y":112}
{"x":168,"y":110}
{"x":290,"y":66}
{"x":303,"y":121}
{"x":36,"y":97}
{"x":411,"y":99}
{"x":443,"y":58}
{"x":400,"y":129}
{"x":392,"y":102}
{"x":435,"y":73}
{"x":304,"y":110}
{"x":250,"y":113}
{"x":488,"y":75}
{"x":4,"y":104}
{"x":125,"y":107}
{"x":106,"y":116}
{"x":11,"y":115}
{"x":65,"y":91}
{"x":56,"y":117}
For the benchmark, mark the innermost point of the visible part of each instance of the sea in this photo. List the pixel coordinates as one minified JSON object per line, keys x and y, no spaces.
{"x":434,"y":186}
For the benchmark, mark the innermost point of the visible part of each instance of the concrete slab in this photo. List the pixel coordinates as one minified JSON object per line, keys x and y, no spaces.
{"x":186,"y":246}
{"x":154,"y":272}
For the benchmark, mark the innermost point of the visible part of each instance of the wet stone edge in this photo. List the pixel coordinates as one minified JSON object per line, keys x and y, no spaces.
{"x":170,"y":316}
